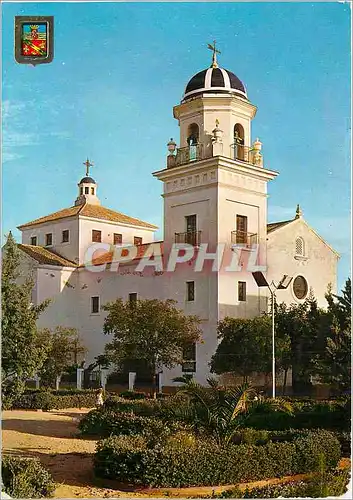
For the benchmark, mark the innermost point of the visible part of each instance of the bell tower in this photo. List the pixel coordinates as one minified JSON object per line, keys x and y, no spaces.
{"x":215,"y":192}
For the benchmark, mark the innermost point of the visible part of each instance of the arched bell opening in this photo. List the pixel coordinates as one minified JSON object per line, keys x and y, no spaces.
{"x":193,"y":140}
{"x":238,"y":143}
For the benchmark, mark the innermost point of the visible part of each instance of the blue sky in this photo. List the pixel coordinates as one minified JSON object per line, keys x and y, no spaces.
{"x":118,"y":70}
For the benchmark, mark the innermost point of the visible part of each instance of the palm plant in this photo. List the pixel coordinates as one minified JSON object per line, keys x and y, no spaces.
{"x":219,"y":410}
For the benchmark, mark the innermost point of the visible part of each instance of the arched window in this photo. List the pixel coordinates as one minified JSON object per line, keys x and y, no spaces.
{"x":299,"y":247}
{"x":238,"y":143}
{"x":193,"y":140}
{"x":193,"y":134}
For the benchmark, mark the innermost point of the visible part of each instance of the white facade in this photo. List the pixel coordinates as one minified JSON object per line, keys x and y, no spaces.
{"x":214,"y":192}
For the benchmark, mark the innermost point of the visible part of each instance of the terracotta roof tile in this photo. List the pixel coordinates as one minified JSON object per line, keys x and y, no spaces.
{"x":44,"y":256}
{"x":100,"y":212}
{"x":87,"y":210}
{"x":107,"y":257}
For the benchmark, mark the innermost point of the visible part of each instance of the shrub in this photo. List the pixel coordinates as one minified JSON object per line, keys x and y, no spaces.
{"x":144,"y":407}
{"x":104,"y":423}
{"x":306,"y":415}
{"x":49,"y":400}
{"x":26,"y":478}
{"x":186,"y":461}
{"x":315,"y":446}
{"x":133,"y":395}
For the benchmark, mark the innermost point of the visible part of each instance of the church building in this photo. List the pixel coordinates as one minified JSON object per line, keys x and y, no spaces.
{"x":214,"y":188}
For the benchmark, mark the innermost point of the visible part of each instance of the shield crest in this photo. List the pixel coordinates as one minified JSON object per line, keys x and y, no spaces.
{"x":34,"y":40}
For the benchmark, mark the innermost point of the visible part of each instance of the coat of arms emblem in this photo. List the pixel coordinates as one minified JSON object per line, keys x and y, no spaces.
{"x":34,"y":39}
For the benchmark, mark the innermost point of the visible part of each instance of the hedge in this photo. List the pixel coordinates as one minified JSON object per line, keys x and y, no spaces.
{"x":332,"y":484}
{"x":26,"y":478}
{"x":325,"y":417}
{"x":194,"y":462}
{"x":49,"y":400}
{"x":104,"y":423}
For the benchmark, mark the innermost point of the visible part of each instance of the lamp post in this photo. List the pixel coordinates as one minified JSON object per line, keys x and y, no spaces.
{"x":282,"y":285}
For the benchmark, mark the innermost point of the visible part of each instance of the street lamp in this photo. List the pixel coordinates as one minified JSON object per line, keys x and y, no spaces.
{"x":282,"y":285}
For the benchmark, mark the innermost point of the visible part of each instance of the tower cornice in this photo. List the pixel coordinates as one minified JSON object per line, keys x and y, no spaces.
{"x":216,"y":162}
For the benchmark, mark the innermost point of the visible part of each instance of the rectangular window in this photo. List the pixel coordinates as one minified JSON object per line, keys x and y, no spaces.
{"x":96,"y":236}
{"x":190,"y":291}
{"x":191,"y":229}
{"x":94,"y":305}
{"x":86,"y":190}
{"x":34,"y":240}
{"x":242,"y":291}
{"x":190,"y":223}
{"x":65,"y":236}
{"x":242,"y":229}
{"x":81,"y":191}
{"x":48,"y":239}
{"x":137,"y":240}
{"x":189,"y":358}
{"x":118,"y":239}
{"x":133,"y":297}
{"x":92,"y":190}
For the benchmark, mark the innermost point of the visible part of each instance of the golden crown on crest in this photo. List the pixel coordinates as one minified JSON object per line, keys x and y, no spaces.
{"x":34,"y":27}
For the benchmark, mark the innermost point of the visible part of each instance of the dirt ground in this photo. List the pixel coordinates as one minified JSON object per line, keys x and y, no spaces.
{"x":53,"y":438}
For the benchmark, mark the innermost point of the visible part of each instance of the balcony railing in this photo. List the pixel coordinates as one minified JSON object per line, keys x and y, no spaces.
{"x":190,"y":237}
{"x":243,"y":238}
{"x":197,"y":152}
{"x":188,"y":154}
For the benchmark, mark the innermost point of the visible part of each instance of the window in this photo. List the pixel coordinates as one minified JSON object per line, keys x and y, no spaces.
{"x":65,"y":236}
{"x":190,"y":291}
{"x":81,"y":191}
{"x":300,"y":287}
{"x":242,"y":229}
{"x":118,"y":239}
{"x":137,"y":240}
{"x":92,"y":190}
{"x":239,"y":149}
{"x":242,"y":291}
{"x":94,"y":305}
{"x":48,"y":239}
{"x":34,"y":240}
{"x":189,"y":358}
{"x":132,"y":297}
{"x":191,"y":230}
{"x":96,"y":236}
{"x":86,"y":190}
{"x":299,"y":247}
{"x":190,"y":223}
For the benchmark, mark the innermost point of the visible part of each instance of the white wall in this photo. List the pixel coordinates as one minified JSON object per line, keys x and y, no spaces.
{"x":319,"y":269}
{"x":68,"y":250}
{"x":108,"y":229}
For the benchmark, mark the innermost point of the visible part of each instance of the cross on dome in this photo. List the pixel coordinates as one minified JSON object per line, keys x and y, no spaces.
{"x":88,"y":165}
{"x":214,"y":55}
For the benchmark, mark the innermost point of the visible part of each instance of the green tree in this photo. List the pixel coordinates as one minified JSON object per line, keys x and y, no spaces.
{"x":304,"y":325}
{"x":246,"y":347}
{"x":151,"y":330}
{"x":333,"y":363}
{"x":63,"y":347}
{"x":22,"y":352}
